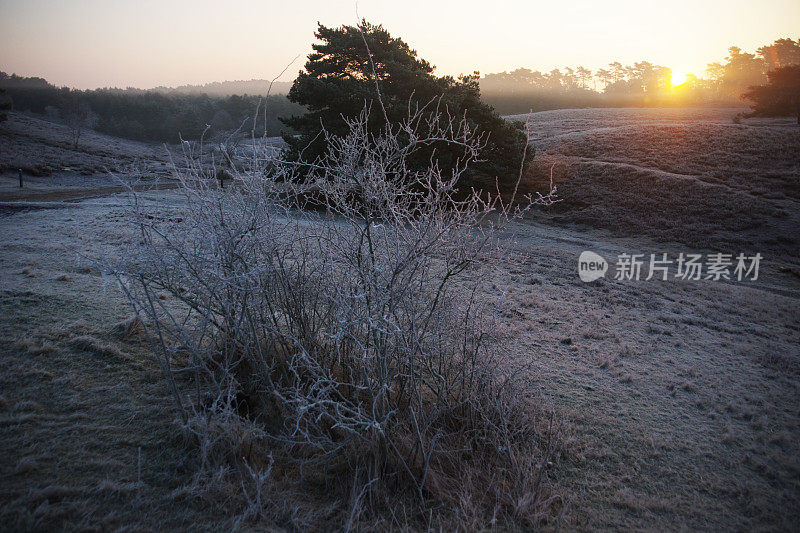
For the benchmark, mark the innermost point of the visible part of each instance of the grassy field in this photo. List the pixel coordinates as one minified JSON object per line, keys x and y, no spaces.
{"x":679,"y":399}
{"x":688,"y":176}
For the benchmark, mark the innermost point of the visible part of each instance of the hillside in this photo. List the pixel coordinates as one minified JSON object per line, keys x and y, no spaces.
{"x":689,"y":176}
{"x":678,"y":399}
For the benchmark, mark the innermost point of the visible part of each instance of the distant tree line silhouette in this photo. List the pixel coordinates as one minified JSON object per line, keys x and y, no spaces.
{"x":228,"y":88}
{"x":640,"y":84}
{"x":766,"y":78}
{"x":148,"y":115}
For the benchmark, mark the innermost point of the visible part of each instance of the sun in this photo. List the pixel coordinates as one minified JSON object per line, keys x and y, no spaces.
{"x":678,"y":78}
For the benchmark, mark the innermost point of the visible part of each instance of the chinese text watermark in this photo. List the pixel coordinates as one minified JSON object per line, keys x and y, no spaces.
{"x":662,"y":266}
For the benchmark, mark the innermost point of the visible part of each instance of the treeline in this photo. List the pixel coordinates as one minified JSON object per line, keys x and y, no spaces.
{"x":228,"y":88}
{"x":640,"y":84}
{"x":149,"y":115}
{"x":168,"y":115}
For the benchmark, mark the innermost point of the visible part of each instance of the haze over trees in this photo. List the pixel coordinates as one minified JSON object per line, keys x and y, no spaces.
{"x":151,"y":115}
{"x":228,"y":88}
{"x":187,"y":112}
{"x":640,"y":84}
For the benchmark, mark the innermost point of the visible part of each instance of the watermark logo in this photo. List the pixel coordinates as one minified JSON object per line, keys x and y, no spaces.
{"x":591,"y":266}
{"x":713,"y":267}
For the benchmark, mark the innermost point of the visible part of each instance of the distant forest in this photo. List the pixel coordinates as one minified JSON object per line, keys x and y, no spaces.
{"x":640,"y":84}
{"x":170,"y":114}
{"x":159,"y":115}
{"x":229,"y":88}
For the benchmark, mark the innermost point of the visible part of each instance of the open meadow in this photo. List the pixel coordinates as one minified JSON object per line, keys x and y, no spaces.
{"x":676,"y":402}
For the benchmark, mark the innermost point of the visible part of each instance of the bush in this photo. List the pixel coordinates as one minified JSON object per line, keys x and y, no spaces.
{"x":349,"y":343}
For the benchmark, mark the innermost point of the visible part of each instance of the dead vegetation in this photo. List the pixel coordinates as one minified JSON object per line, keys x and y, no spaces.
{"x":703,"y":437}
{"x":687,"y":176}
{"x":41,"y":148}
{"x":339,"y":345}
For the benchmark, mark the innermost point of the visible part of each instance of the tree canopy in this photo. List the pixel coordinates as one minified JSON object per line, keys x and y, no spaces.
{"x":151,"y":115}
{"x":780,"y":97}
{"x":338,"y":82}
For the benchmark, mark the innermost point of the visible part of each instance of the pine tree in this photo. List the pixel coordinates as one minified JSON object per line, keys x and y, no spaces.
{"x":338,"y":81}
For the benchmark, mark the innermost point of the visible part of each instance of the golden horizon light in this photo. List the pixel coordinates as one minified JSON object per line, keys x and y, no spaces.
{"x":150,"y":43}
{"x":678,"y":78}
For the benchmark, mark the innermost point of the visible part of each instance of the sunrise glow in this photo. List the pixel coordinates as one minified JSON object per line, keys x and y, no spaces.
{"x":86,"y":44}
{"x":678,"y":78}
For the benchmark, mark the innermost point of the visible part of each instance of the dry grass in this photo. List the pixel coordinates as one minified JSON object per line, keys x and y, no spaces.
{"x":42,"y":149}
{"x":130,"y":328}
{"x":705,"y":437}
{"x":338,"y":342}
{"x":683,"y":176}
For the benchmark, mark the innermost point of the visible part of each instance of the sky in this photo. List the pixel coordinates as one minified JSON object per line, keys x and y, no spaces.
{"x":147,"y":43}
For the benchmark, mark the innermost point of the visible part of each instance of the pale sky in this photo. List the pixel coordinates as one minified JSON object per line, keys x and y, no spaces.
{"x":146,"y":43}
